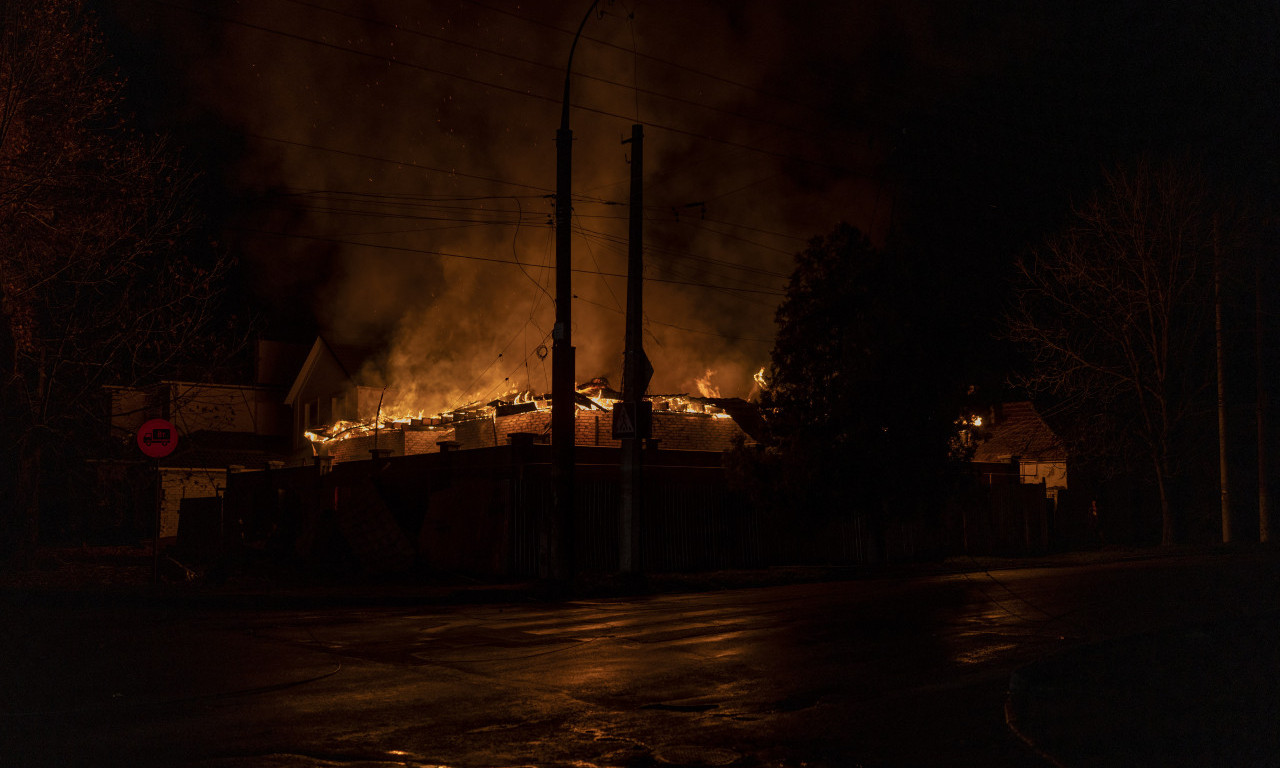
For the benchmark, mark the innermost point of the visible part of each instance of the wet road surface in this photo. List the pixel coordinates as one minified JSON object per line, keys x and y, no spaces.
{"x":874,"y":672}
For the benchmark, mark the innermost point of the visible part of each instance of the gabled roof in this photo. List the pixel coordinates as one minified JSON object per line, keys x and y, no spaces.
{"x":350,"y":359}
{"x":1019,"y":431}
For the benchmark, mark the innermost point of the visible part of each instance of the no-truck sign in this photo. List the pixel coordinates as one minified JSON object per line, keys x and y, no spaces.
{"x":157,"y":438}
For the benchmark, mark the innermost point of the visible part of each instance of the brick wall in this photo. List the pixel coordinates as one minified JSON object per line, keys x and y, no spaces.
{"x":178,"y":483}
{"x":486,"y":433}
{"x":537,"y":422}
{"x":426,"y":441}
{"x":594,"y":428}
{"x":477,"y":433}
{"x":357,"y":448}
{"x":694,"y":431}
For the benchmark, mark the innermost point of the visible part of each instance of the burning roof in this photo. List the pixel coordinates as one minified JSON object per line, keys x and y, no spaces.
{"x":595,"y":395}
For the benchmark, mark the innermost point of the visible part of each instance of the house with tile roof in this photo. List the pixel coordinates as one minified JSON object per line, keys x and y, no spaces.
{"x":1016,"y":434}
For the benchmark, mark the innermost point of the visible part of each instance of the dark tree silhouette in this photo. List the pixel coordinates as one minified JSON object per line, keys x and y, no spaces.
{"x":857,"y":395}
{"x":1116,"y":315}
{"x":104,"y":278}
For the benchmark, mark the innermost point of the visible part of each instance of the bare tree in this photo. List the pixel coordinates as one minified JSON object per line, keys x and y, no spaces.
{"x":103,"y":278}
{"x":1114,"y":313}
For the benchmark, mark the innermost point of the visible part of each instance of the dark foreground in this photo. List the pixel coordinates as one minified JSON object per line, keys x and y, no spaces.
{"x":890,"y":671}
{"x":1200,"y":695}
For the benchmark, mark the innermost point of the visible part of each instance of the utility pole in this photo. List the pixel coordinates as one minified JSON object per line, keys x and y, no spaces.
{"x":636,"y":372}
{"x":1260,"y":410}
{"x":1222,"y":388}
{"x":556,"y":543}
{"x":555,"y":560}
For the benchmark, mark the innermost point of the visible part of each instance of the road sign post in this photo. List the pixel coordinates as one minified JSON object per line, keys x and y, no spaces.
{"x":156,"y":439}
{"x":632,"y":420}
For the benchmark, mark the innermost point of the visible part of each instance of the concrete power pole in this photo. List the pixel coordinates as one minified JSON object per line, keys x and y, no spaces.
{"x":636,"y":372}
{"x":556,"y":529}
{"x":556,"y":541}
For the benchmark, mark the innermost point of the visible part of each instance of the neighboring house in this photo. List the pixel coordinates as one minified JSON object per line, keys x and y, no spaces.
{"x":218,"y":426}
{"x":1015,"y":434}
{"x":333,"y":383}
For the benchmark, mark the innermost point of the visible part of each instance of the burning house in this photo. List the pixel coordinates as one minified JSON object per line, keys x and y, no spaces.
{"x":375,"y":485}
{"x":343,"y":411}
{"x":334,"y":386}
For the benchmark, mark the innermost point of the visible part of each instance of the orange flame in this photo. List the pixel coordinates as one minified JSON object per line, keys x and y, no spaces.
{"x":704,"y":385}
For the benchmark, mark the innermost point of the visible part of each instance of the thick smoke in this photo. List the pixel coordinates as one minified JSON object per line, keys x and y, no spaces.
{"x":722,"y":219}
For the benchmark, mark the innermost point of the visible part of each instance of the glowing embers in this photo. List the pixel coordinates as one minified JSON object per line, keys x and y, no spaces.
{"x":593,"y":395}
{"x":413,"y":421}
{"x":597,"y":394}
{"x":345,"y":430}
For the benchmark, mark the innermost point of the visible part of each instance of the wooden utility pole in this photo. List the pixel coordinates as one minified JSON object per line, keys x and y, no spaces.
{"x":1222,"y":390}
{"x":1260,"y":408}
{"x":636,"y":372}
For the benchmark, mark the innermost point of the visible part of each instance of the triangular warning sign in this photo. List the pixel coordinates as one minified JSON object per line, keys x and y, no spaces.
{"x":624,"y":423}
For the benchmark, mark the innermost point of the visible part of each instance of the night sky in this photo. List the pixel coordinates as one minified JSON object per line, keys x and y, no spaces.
{"x":370,"y":139}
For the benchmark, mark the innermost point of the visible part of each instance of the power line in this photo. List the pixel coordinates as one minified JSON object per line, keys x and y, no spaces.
{"x":412,"y":231}
{"x":669,"y":268}
{"x":413,"y":198}
{"x":476,"y":380}
{"x":488,"y":84}
{"x":389,"y":207}
{"x":699,"y":224}
{"x":674,"y":269}
{"x":709,"y":333}
{"x":648,"y":57}
{"x":416,"y":198}
{"x":516,"y":257}
{"x":774,"y":233}
{"x":429,"y":201}
{"x":428,"y":252}
{"x":586,"y":233}
{"x":410,"y":163}
{"x":412,"y":216}
{"x":652,"y":249}
{"x":592,"y":254}
{"x":651,"y":321}
{"x":559,"y":70}
{"x":535,"y":220}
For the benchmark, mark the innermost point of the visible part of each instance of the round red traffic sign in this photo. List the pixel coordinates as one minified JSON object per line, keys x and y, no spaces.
{"x":157,"y":438}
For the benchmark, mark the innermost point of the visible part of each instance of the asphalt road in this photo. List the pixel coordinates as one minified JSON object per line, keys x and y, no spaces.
{"x":901,"y":671}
